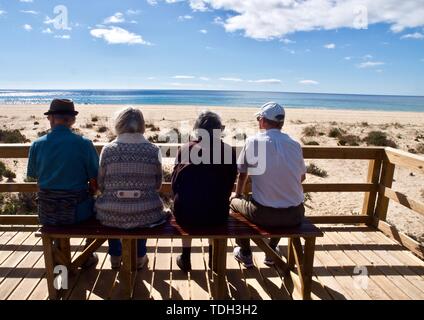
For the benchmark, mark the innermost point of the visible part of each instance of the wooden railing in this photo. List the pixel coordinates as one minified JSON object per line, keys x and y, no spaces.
{"x":377,"y":188}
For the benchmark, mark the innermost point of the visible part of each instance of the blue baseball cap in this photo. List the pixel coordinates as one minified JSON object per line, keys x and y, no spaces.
{"x":272,"y":111}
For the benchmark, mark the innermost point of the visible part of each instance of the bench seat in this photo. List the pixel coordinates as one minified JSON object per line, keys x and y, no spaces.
{"x":56,"y":246}
{"x":237,"y":227}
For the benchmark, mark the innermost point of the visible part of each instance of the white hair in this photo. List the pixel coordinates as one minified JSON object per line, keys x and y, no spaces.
{"x":129,"y":120}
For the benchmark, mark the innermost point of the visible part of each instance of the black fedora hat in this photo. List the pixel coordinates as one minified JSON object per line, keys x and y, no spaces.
{"x":62,"y":106}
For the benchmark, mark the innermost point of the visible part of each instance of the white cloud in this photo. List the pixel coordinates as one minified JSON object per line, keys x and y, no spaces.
{"x":27,"y":27}
{"x":231,"y":79}
{"x":47,"y":30}
{"x":152,"y":2}
{"x":330,"y":46}
{"x":267,"y":81}
{"x":65,"y":37}
{"x":370,"y":64}
{"x":198,"y":5}
{"x":26,"y":1}
{"x":185,"y":17}
{"x":275,"y":18}
{"x":183,"y":77}
{"x":287,"y":41}
{"x":204,"y":31}
{"x":415,"y":35}
{"x":309,"y":82}
{"x":30,"y":12}
{"x":132,"y":12}
{"x":151,"y":78}
{"x":116,"y":18}
{"x":367,"y":57}
{"x":204,"y":78}
{"x":348,"y":58}
{"x":116,"y":35}
{"x":2,"y":12}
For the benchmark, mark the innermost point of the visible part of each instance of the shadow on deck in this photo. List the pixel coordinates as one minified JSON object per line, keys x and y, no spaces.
{"x":351,"y":262}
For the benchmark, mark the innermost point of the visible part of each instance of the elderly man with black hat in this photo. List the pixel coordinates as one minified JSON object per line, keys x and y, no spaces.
{"x":274,"y":161}
{"x":65,"y":166}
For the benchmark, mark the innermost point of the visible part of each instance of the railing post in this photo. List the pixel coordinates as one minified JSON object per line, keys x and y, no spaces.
{"x":374,"y":168}
{"x":387,"y":173}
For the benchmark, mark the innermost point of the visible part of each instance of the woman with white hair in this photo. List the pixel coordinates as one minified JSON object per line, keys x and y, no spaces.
{"x":130,"y":177}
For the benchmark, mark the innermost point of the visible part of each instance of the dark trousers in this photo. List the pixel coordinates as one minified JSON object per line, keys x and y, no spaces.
{"x":266,"y":217}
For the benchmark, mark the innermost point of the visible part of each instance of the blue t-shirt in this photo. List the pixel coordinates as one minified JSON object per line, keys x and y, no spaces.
{"x":63,"y":160}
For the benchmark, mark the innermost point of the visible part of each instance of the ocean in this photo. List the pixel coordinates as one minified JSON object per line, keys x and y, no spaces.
{"x":218,"y":98}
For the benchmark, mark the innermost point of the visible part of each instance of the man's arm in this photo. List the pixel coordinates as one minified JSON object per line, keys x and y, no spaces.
{"x":93,"y":186}
{"x":241,"y":184}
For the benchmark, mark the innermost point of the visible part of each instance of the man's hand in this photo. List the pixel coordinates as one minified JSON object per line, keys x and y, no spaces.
{"x":236,"y":196}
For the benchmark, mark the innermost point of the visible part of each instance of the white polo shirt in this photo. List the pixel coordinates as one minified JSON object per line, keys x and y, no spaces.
{"x":275,"y":164}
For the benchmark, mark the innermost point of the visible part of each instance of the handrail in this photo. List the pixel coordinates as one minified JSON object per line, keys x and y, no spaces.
{"x":20,"y":151}
{"x":166,"y":187}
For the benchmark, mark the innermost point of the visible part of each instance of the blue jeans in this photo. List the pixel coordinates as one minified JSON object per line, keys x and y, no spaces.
{"x":115,"y":247}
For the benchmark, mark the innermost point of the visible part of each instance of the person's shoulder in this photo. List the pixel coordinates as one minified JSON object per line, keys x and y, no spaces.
{"x":84,"y":141}
{"x":290,"y":140}
{"x":255,"y":137}
{"x":39,"y":140}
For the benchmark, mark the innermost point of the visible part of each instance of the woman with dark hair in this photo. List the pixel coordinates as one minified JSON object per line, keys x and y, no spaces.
{"x":202,"y":180}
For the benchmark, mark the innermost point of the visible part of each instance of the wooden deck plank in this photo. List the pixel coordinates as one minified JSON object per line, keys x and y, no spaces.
{"x":199,"y":286}
{"x":255,"y":282}
{"x":144,"y":278}
{"x":30,"y":281}
{"x":39,"y":292}
{"x":88,"y":278}
{"x":74,"y":277}
{"x":15,"y":257}
{"x":237,"y":285}
{"x":179,"y":279}
{"x":271,"y":278}
{"x":12,"y":279}
{"x":380,"y":273}
{"x":328,"y":280}
{"x":403,"y":269}
{"x":6,"y":237}
{"x":397,"y":278}
{"x":12,"y":245}
{"x":373,"y":268}
{"x":372,"y":288}
{"x":319,"y":290}
{"x":102,"y":288}
{"x":336,"y":268}
{"x":162,"y":273}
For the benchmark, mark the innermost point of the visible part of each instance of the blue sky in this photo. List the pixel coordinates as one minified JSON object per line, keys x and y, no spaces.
{"x":270,"y":45}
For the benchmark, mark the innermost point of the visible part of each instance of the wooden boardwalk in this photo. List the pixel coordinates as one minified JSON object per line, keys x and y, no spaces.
{"x":342,"y":256}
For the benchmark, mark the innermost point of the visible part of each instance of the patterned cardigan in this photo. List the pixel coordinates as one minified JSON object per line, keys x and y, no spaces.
{"x":130,"y":163}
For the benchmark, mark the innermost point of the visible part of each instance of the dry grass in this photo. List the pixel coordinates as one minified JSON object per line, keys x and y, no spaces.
{"x":310,"y":131}
{"x":379,"y":138}
{"x":316,"y":171}
{"x":12,"y":136}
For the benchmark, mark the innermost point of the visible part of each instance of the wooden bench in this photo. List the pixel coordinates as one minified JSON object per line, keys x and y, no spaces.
{"x":56,"y":245}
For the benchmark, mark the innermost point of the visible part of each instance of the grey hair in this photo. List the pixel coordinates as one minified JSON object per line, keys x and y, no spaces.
{"x":67,"y":118}
{"x":208,"y":121}
{"x":130,"y":120}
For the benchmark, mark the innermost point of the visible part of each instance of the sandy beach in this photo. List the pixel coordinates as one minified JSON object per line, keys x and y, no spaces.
{"x":406,"y":129}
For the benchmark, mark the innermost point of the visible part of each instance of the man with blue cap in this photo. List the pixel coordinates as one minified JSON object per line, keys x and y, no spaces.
{"x":275,"y":164}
